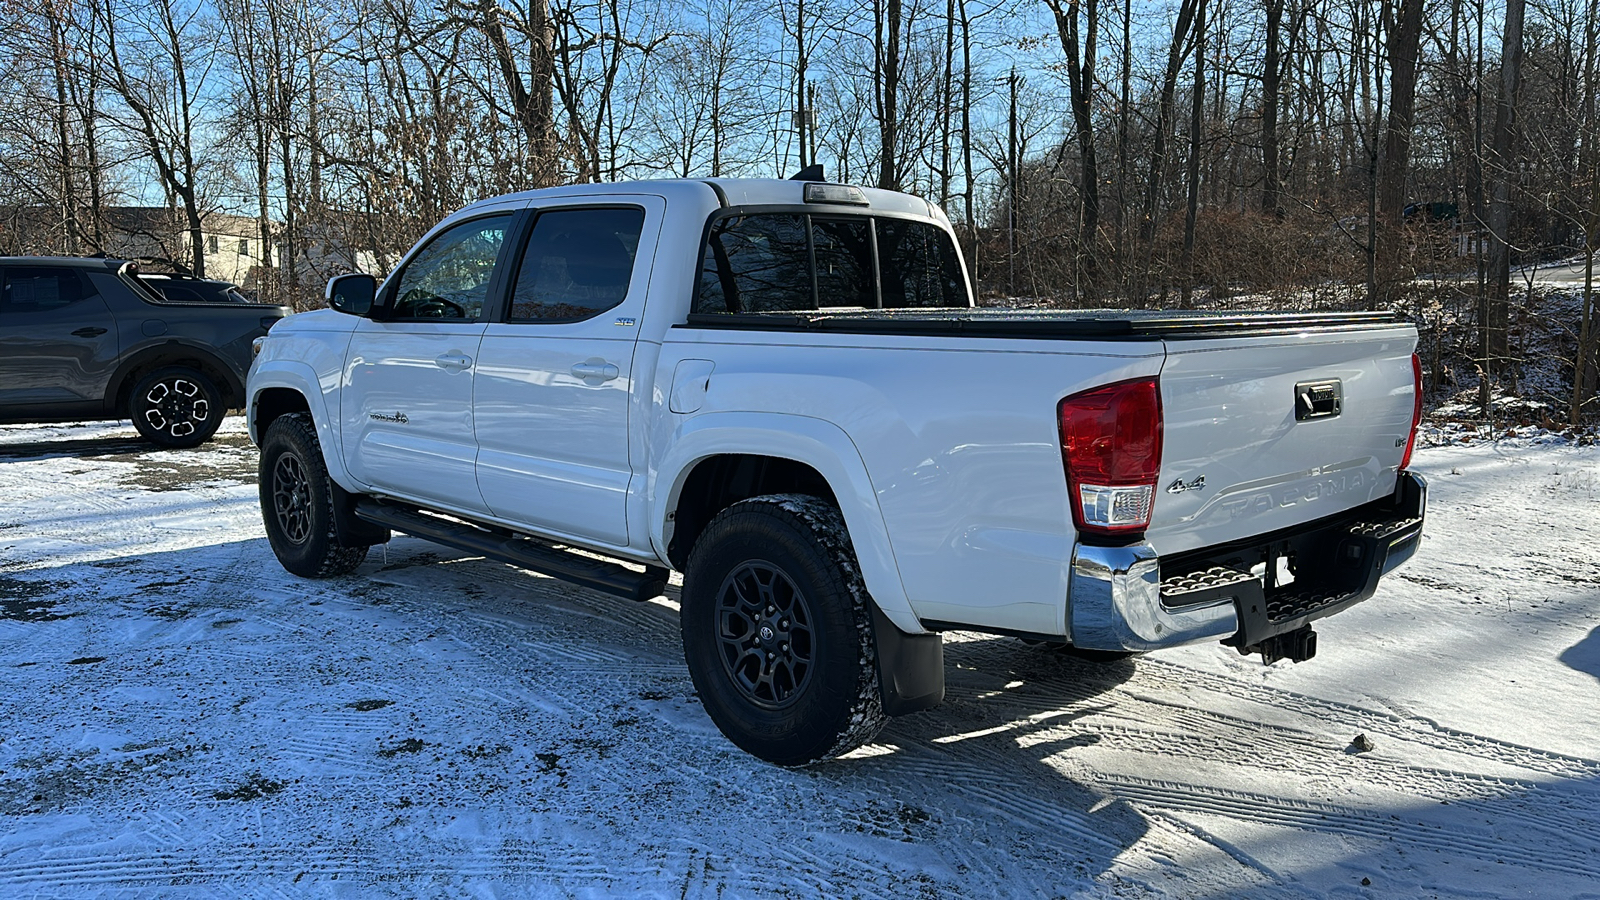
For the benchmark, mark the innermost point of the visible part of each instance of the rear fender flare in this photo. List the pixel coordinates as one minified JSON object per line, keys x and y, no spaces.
{"x":142,"y":358}
{"x":814,"y":442}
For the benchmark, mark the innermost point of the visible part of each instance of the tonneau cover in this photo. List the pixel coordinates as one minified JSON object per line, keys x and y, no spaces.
{"x":1041,"y":324}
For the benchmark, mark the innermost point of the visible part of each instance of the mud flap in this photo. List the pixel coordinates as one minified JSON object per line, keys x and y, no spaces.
{"x":910,"y":667}
{"x":351,"y":530}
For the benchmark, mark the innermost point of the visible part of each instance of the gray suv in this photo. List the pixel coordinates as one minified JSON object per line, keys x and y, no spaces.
{"x":86,"y":339}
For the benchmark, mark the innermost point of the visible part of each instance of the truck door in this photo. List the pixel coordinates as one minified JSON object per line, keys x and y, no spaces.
{"x":556,"y":376}
{"x":407,"y":404}
{"x":58,"y":343}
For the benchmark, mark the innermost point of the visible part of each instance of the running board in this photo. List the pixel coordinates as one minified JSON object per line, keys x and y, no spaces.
{"x":597,"y":574}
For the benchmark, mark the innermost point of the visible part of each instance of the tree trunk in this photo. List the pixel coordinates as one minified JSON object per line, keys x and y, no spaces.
{"x":1081,"y":84}
{"x":1196,"y":123}
{"x":1271,"y":85}
{"x":1504,"y":174}
{"x":888,"y":33}
{"x":1395,"y":161}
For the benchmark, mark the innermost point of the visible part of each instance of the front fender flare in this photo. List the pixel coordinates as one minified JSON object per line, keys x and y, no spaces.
{"x":301,"y":378}
{"x":814,"y":442}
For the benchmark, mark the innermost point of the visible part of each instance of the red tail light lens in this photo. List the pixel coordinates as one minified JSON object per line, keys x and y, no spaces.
{"x":1416,"y":411}
{"x":1111,"y":444}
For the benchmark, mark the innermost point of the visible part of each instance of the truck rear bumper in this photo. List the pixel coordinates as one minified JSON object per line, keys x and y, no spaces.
{"x":1127,"y":598}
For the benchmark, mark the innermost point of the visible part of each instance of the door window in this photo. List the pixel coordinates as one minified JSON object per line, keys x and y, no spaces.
{"x":34,"y":289}
{"x":577,"y":264}
{"x":449,"y":278}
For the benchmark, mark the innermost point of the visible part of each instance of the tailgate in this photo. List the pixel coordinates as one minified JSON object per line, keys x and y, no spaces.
{"x":1265,"y":432}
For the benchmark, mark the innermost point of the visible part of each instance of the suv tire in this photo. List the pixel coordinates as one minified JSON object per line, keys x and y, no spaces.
{"x":297,"y":502}
{"x":176,"y":407}
{"x":777,"y":631}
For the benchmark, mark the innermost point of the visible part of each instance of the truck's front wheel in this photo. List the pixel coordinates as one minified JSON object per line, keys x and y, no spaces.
{"x":777,"y":632}
{"x":297,"y":502}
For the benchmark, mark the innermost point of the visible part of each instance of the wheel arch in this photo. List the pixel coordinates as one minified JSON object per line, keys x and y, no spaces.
{"x":718,"y":459}
{"x":172,"y":353}
{"x":280,"y":387}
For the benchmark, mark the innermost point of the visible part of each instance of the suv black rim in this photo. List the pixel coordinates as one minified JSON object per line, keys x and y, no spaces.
{"x":764,"y":634}
{"x":176,"y":406}
{"x":291,"y":498}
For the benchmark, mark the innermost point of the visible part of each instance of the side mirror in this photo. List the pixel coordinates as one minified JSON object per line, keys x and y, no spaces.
{"x":352,"y":294}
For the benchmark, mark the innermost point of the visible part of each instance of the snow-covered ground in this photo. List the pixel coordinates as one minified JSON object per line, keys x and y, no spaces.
{"x":180,"y":718}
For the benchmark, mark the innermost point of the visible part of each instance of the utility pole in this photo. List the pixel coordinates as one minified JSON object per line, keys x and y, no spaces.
{"x":1011,"y":191}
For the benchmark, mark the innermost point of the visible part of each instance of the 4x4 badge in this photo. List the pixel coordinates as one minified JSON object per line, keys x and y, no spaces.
{"x":1179,"y":486}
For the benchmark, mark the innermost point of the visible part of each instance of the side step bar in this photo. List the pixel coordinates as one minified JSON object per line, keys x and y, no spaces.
{"x":597,"y":574}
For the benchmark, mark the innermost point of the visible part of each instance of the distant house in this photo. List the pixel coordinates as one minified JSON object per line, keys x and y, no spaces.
{"x":230,"y":244}
{"x":154,"y":235}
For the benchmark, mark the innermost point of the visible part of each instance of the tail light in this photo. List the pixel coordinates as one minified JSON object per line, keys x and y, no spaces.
{"x":1111,"y":445}
{"x":1416,"y":410}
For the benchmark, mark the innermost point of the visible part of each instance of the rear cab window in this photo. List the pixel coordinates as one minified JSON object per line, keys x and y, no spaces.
{"x":793,"y":261}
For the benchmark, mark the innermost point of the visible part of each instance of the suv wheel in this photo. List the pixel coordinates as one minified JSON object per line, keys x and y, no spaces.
{"x":297,"y":502}
{"x":176,"y":407}
{"x":777,"y":632}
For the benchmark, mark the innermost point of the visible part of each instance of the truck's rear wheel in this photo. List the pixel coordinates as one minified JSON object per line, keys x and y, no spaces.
{"x":777,"y":632}
{"x":297,"y":502}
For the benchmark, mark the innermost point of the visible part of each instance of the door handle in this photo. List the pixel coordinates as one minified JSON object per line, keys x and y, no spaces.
{"x":595,"y":371}
{"x":89,"y":332}
{"x":452,"y":362}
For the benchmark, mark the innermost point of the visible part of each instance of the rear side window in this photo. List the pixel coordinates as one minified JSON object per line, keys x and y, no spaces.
{"x":578,"y":263}
{"x":919,"y":266}
{"x":35,"y":289}
{"x":780,"y":262}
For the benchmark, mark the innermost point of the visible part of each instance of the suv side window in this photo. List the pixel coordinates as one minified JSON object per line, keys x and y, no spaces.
{"x":34,"y":289}
{"x":577,"y":264}
{"x":449,"y":278}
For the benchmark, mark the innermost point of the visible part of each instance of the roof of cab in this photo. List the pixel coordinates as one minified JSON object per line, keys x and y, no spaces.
{"x":737,"y":191}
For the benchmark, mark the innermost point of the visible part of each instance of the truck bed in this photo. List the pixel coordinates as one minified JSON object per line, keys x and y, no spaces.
{"x":1042,"y":324}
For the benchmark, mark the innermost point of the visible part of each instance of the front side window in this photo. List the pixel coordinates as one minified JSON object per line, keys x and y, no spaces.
{"x":449,"y":278}
{"x":756,"y":264}
{"x":35,"y":289}
{"x":578,"y":263}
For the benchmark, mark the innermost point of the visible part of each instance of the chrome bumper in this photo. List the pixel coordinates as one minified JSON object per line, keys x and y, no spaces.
{"x":1114,"y":597}
{"x":1114,"y":603}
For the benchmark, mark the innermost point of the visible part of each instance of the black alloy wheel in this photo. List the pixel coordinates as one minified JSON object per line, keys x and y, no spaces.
{"x":777,"y":630}
{"x":764,"y":633}
{"x":291,"y":498}
{"x":297,"y":502}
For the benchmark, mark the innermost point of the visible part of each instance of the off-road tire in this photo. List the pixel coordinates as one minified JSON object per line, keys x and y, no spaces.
{"x":176,"y":407}
{"x":297,"y":502}
{"x":798,"y":547}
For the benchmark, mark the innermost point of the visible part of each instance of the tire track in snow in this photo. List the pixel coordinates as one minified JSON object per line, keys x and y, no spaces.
{"x":1415,"y":729}
{"x":1328,"y":818}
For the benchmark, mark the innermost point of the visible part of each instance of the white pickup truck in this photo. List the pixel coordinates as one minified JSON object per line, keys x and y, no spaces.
{"x":782,"y":390}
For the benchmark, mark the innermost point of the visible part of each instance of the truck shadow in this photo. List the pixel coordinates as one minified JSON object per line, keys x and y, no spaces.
{"x":1585,"y":654}
{"x":86,"y":447}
